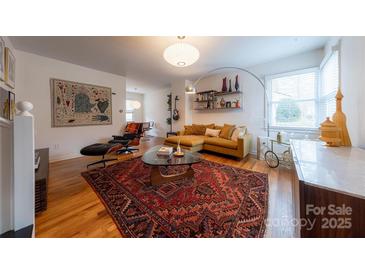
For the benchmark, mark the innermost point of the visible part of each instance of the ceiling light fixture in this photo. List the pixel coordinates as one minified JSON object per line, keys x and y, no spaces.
{"x":181,"y":54}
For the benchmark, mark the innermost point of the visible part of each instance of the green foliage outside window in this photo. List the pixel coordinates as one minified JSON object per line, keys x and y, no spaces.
{"x":288,"y":111}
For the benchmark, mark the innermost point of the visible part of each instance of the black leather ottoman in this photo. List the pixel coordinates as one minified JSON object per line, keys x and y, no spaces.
{"x":100,"y":150}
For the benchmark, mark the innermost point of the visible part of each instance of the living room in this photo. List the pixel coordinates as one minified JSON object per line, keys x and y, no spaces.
{"x":194,"y":136}
{"x":299,"y":66}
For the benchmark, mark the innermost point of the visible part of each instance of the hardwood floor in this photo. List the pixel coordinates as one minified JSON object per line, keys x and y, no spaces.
{"x":74,"y":210}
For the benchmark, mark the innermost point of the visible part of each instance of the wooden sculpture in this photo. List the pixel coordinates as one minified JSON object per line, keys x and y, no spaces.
{"x":330,"y":133}
{"x":339,"y":118}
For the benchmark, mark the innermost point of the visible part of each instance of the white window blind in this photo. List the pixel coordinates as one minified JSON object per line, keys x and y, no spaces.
{"x":293,"y":99}
{"x":329,"y":79}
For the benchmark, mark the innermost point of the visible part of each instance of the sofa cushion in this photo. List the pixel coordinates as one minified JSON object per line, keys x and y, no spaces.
{"x":187,"y":140}
{"x":216,"y":141}
{"x":226,"y":131}
{"x":188,"y":130}
{"x":200,"y":129}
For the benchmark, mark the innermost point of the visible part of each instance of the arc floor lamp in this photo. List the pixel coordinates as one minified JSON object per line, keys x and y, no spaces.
{"x":191,"y":89}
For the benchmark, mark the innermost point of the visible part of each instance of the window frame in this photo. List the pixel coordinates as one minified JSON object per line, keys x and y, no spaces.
{"x":268,"y":81}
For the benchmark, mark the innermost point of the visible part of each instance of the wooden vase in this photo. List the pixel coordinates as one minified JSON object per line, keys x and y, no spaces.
{"x":339,"y":118}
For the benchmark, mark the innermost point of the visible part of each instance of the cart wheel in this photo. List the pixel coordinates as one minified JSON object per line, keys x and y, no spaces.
{"x":271,"y":159}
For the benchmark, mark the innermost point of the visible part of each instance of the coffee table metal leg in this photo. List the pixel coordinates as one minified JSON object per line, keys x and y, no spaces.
{"x":156,"y":178}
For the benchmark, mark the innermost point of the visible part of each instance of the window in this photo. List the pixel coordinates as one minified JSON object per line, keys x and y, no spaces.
{"x":329,"y":82}
{"x":129,"y":116}
{"x":129,"y":111}
{"x":131,"y":107}
{"x":293,"y":99}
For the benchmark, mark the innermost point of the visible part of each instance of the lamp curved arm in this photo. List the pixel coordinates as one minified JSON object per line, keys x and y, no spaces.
{"x":237,"y":68}
{"x":262,"y":83}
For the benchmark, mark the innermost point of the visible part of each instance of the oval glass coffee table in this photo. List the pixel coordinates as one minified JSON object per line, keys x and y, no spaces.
{"x":156,"y":161}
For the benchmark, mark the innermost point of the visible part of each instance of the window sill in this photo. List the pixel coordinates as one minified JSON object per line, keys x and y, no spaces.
{"x":294,"y":129}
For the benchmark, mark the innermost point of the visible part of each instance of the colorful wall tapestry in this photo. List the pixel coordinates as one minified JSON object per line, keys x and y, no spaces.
{"x":78,"y":104}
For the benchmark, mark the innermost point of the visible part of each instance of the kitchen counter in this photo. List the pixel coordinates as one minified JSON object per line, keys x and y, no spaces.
{"x":328,"y":189}
{"x":339,"y":169}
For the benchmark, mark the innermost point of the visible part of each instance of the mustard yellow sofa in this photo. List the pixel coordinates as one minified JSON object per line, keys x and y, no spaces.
{"x":239,"y":148}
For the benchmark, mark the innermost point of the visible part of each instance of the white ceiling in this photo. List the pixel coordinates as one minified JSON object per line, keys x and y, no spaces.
{"x":140,"y":58}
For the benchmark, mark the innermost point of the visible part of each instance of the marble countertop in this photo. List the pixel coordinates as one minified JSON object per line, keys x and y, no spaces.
{"x":340,"y":169}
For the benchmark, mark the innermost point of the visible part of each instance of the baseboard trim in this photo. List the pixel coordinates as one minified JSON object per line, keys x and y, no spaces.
{"x":64,"y":157}
{"x":26,"y":232}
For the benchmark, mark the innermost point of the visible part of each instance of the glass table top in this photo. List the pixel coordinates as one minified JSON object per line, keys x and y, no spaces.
{"x":151,"y":158}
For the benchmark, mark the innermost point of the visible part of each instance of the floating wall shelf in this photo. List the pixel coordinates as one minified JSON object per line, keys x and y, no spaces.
{"x":210,"y":100}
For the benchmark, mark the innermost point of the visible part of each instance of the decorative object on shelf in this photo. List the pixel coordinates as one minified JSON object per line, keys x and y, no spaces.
{"x":230,"y":85}
{"x":236,"y":84}
{"x":214,"y":100}
{"x":330,"y":133}
{"x":224,"y":84}
{"x":339,"y":118}
{"x":9,"y":75}
{"x":79,"y":104}
{"x":176,"y":115}
{"x":12,"y":108}
{"x":181,"y":54}
{"x":223,"y":103}
{"x":4,"y":104}
{"x":228,"y":104}
{"x":2,"y":59}
{"x":24,"y":108}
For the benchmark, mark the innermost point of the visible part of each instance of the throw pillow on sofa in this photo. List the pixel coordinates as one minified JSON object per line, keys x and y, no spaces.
{"x":237,"y":131}
{"x":212,"y":132}
{"x":226,"y":131}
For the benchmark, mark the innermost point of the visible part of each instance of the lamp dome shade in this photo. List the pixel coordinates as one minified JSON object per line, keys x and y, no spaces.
{"x":190,"y":89}
{"x":181,"y":55}
{"x":136,"y":105}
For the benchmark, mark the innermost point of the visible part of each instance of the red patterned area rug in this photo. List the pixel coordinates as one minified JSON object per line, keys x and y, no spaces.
{"x":221,"y":201}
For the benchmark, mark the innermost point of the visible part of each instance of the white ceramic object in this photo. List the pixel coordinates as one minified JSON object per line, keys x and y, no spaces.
{"x":24,"y":107}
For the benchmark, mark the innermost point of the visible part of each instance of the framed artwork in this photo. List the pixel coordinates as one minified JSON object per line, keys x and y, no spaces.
{"x":9,"y":68}
{"x":4,"y":104}
{"x":2,"y":59}
{"x":79,"y":104}
{"x":11,"y":105}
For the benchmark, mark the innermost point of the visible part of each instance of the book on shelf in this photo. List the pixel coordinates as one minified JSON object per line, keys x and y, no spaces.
{"x":165,"y":151}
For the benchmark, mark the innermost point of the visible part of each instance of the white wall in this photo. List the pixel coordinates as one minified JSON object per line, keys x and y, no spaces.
{"x":155,"y":109}
{"x":138,"y":114}
{"x":352,"y":70}
{"x":6,"y":165}
{"x":252,"y":114}
{"x":33,"y":74}
{"x":353,"y":86}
